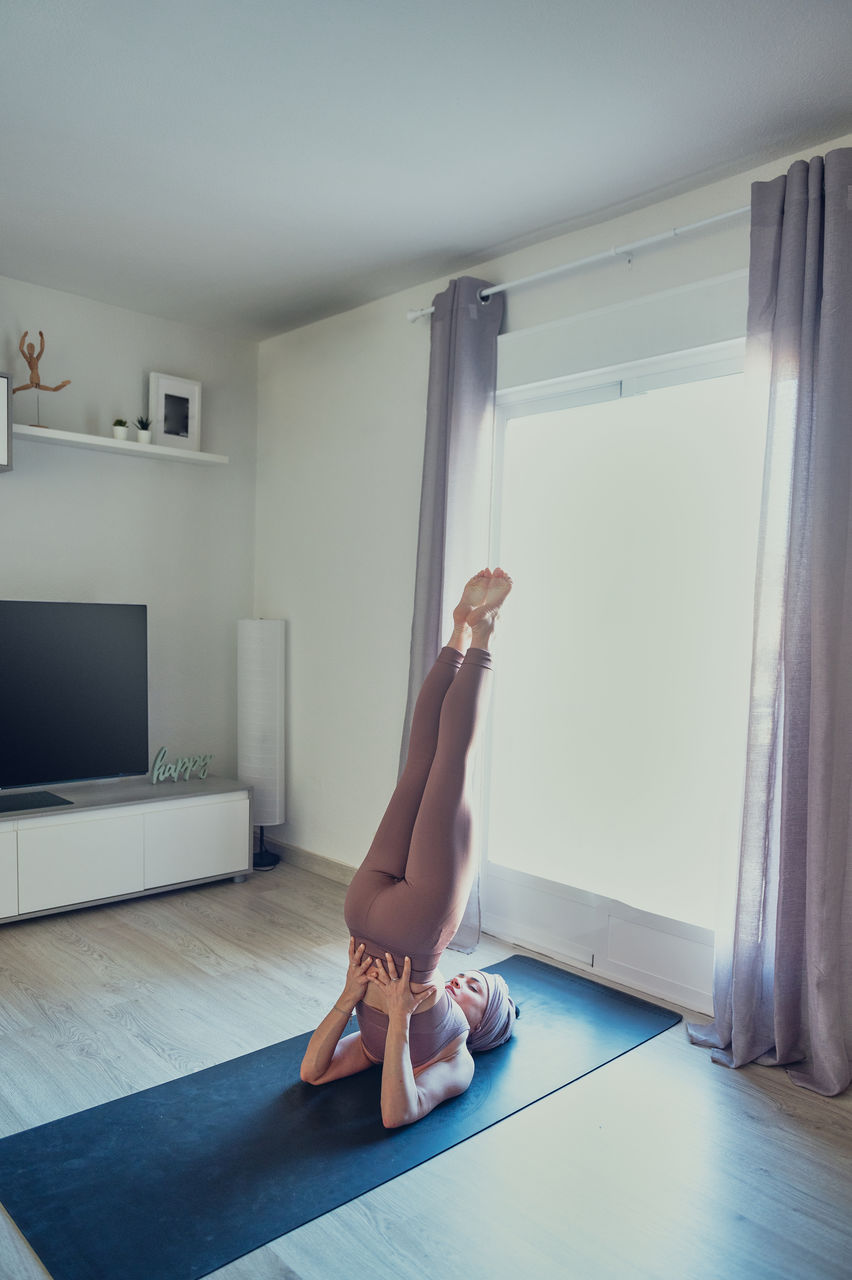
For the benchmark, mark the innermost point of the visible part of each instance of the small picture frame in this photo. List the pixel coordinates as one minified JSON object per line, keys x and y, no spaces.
{"x":5,"y":422}
{"x":174,"y":407}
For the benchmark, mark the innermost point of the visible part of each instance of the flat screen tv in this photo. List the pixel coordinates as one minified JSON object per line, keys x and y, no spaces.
{"x":74,"y":701}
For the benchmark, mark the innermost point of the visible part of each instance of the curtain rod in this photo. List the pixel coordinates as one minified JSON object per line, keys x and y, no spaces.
{"x":618,"y":251}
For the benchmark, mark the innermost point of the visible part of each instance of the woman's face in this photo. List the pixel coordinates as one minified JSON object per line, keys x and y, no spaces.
{"x":470,"y":994}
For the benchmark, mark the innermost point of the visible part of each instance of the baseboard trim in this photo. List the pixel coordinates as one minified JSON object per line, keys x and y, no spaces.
{"x":315,"y":862}
{"x":539,"y":941}
{"x":652,"y":954}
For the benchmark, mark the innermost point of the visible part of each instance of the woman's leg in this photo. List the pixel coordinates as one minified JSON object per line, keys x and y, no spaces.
{"x":385,"y":862}
{"x":419,"y":914}
{"x":440,"y":862}
{"x":388,"y":852}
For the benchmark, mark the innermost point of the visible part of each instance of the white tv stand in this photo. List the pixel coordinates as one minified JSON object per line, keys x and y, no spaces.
{"x":122,"y":839}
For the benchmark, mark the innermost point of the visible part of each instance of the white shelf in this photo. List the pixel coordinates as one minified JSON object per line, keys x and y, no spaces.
{"x":78,"y":440}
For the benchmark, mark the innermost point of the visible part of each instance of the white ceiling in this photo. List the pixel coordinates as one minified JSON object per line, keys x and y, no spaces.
{"x":257,"y":165}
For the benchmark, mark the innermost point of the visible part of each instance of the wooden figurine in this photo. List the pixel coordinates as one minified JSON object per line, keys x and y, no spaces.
{"x":32,"y":360}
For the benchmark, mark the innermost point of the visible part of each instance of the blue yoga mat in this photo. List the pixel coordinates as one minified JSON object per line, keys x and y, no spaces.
{"x":176,"y":1181}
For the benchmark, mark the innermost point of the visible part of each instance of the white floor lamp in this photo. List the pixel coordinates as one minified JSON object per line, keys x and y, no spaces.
{"x":261,"y":661}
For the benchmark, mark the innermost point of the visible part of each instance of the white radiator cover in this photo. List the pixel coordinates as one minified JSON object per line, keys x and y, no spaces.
{"x":261,"y":661}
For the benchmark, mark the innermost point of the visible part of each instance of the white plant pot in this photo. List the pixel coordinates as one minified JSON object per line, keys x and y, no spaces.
{"x":120,"y":433}
{"x":143,"y":437}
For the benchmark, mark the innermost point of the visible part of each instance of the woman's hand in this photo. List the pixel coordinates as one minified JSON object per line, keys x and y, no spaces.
{"x":356,"y":975}
{"x":400,"y":1000}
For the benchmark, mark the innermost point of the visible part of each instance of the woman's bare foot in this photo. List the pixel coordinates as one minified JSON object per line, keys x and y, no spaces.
{"x":482,"y":619}
{"x":475,"y":593}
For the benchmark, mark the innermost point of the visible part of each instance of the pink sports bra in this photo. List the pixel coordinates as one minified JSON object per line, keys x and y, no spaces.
{"x":428,"y":1032}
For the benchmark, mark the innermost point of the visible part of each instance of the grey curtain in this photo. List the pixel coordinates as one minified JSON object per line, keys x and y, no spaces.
{"x":783,"y":983}
{"x":456,"y":490}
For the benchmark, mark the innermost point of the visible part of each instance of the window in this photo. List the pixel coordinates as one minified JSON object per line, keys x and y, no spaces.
{"x":627,"y":511}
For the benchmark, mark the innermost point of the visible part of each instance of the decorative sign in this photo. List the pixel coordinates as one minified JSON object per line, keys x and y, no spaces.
{"x":182,"y":767}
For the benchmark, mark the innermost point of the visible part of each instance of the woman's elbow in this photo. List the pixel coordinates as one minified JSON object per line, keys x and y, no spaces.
{"x":306,"y":1075}
{"x":396,"y":1120}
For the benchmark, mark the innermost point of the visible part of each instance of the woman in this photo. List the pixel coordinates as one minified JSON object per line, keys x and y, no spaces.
{"x":407,"y":899}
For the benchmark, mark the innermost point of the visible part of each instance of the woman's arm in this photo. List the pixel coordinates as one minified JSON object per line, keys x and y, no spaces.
{"x":327,"y":1057}
{"x":406,"y":1097}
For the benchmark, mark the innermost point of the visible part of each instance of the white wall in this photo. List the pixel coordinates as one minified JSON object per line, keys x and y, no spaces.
{"x":339,"y":462}
{"x":82,"y":525}
{"x":341,"y":417}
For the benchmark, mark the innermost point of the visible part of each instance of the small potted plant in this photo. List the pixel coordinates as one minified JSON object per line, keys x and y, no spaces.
{"x":143,"y":430}
{"x":119,"y":428}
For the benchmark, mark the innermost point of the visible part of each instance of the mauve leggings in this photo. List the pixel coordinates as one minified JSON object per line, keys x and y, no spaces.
{"x":409,"y":894}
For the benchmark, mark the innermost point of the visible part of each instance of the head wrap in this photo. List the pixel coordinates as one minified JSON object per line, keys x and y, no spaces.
{"x":499,"y":1017}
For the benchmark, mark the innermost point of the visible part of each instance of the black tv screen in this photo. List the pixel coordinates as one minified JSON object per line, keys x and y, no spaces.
{"x":74,"y":702}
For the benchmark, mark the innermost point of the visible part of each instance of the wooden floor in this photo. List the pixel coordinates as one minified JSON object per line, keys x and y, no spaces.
{"x":659,"y":1165}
